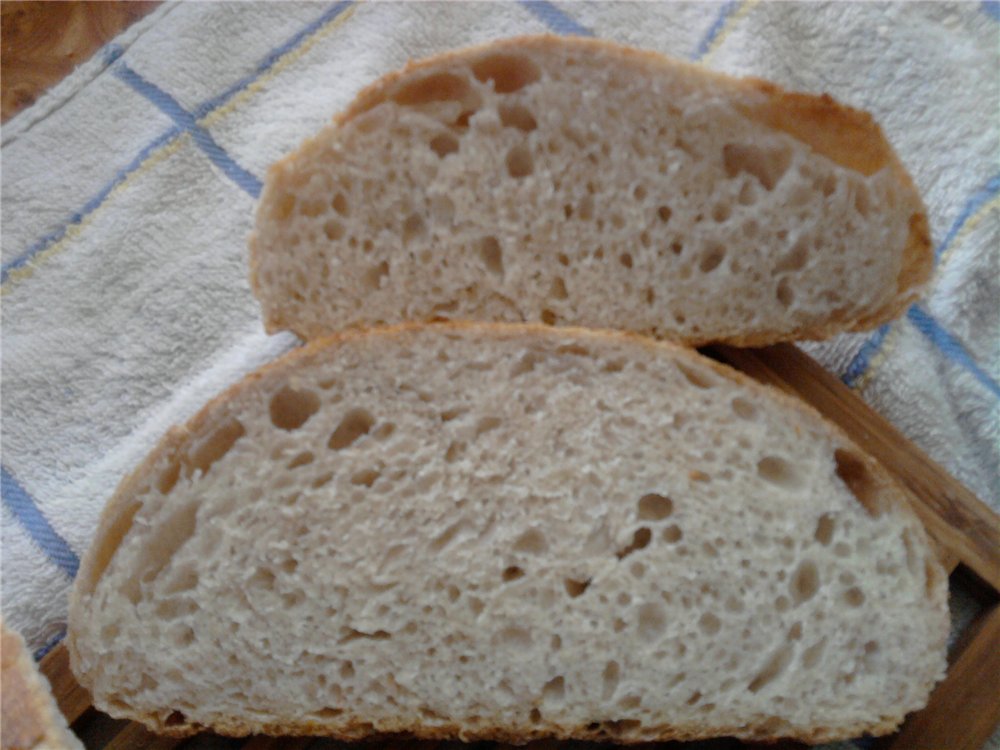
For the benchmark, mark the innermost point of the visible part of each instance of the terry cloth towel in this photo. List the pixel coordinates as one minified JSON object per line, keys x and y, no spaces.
{"x":128,"y":193}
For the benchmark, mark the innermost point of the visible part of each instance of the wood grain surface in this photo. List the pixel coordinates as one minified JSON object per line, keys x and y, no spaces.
{"x":43,"y":41}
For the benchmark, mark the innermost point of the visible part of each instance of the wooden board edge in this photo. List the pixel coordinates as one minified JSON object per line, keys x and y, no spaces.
{"x":964,"y":709}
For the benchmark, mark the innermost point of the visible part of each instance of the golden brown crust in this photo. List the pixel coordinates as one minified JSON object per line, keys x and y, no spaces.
{"x":605,"y":731}
{"x":845,"y":135}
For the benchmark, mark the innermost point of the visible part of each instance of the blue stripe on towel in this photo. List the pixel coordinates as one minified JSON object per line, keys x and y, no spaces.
{"x":91,"y":205}
{"x":188,"y":122}
{"x":972,"y":205}
{"x":272,"y":58}
{"x":556,"y":19}
{"x":991,"y":8}
{"x":713,"y":31}
{"x":111,"y":53}
{"x":859,"y":365}
{"x":950,"y":346}
{"x":24,"y":508}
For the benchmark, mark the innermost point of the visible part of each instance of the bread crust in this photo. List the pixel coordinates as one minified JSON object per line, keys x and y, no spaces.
{"x":31,"y":718}
{"x":847,"y":136}
{"x":888,"y":499}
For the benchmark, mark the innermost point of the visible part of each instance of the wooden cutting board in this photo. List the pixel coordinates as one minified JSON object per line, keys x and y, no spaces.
{"x":963,"y":710}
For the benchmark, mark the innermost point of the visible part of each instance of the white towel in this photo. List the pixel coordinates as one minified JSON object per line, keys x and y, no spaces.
{"x":128,"y":193}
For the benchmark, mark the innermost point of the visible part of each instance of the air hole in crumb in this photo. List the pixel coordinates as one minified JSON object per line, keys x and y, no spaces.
{"x":291,"y":408}
{"x":512,"y":573}
{"x":650,"y":295}
{"x":365,"y":477}
{"x":340,"y":205}
{"x":176,"y":718}
{"x":303,"y":459}
{"x":444,"y":144}
{"x":773,"y":668}
{"x":639,"y":193}
{"x":711,"y":258}
{"x":548,"y":317}
{"x":779,"y":472}
{"x":333,"y":230}
{"x":535,"y":716}
{"x":721,"y":212}
{"x":743,"y":408}
{"x":519,"y":161}
{"x":824,"y":529}
{"x":563,"y":259}
{"x":531,"y":541}
{"x":812,"y":655}
{"x":554,"y":690}
{"x":517,"y":116}
{"x":437,"y":87}
{"x":664,"y":213}
{"x":455,"y":450}
{"x":784,"y":293}
{"x":492,"y":255}
{"x":805,"y":581}
{"x":709,"y":624}
{"x":640,"y":539}
{"x":795,"y":259}
{"x":373,"y":276}
{"x":487,"y":424}
{"x":509,"y":73}
{"x":768,"y":165}
{"x":516,"y":636}
{"x":354,"y":425}
{"x":559,"y":288}
{"x":854,"y":473}
{"x":609,"y":679}
{"x":653,"y":507}
{"x":413,"y":228}
{"x":652,"y":621}
{"x":854,"y":597}
{"x":695,"y":378}
{"x":575,"y":588}
{"x":625,"y":259}
{"x":672,"y":534}
{"x":213,"y":447}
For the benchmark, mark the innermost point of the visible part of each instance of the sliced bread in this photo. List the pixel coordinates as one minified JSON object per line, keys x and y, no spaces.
{"x":579,"y":182}
{"x":29,"y":716}
{"x":508,"y":531}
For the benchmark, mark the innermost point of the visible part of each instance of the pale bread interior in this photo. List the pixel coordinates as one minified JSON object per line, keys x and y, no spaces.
{"x":509,"y":531}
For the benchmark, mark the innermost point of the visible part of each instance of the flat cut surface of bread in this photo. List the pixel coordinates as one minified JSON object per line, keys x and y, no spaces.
{"x":508,"y":531}
{"x":29,"y":716}
{"x":579,"y":182}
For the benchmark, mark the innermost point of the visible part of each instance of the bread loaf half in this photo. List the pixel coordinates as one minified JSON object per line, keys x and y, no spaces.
{"x":508,"y":531}
{"x":579,"y":182}
{"x":29,"y":716}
